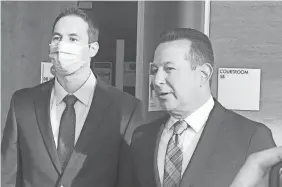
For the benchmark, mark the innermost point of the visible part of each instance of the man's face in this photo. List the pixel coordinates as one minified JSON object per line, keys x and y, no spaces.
{"x":176,"y":84}
{"x":73,"y":32}
{"x":71,"y":29}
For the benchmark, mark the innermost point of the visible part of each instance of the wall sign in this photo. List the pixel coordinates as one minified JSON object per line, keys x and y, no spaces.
{"x":239,"y":88}
{"x":47,"y":71}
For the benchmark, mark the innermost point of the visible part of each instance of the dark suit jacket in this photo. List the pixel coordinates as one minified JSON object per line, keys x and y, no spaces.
{"x":226,"y":141}
{"x":29,"y":156}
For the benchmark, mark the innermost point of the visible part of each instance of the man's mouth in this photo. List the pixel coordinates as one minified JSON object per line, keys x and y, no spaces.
{"x":163,"y":94}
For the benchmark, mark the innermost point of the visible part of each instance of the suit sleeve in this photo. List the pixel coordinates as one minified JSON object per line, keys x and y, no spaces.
{"x":10,"y":151}
{"x":137,"y":118}
{"x":126,"y":168}
{"x":261,"y":139}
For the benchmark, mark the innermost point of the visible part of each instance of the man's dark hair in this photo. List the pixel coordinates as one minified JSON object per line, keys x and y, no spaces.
{"x":201,"y":48}
{"x":93,"y":30}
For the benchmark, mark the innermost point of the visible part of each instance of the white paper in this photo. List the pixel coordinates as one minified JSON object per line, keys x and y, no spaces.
{"x":47,"y":72}
{"x":239,"y":88}
{"x":154,"y":104}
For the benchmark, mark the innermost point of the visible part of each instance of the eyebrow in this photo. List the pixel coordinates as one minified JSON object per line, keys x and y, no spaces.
{"x":73,"y":34}
{"x":154,"y":66}
{"x":169,"y":62}
{"x":55,"y":33}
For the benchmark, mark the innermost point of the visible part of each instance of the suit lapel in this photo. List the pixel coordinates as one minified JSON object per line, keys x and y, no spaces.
{"x":100,"y":103}
{"x":204,"y":147}
{"x":42,"y":109}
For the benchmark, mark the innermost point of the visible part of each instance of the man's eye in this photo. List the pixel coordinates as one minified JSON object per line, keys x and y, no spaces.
{"x":55,"y":38}
{"x":169,"y":68}
{"x":154,"y":70}
{"x":73,"y":39}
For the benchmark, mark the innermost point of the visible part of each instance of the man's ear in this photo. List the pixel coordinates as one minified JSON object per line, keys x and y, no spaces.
{"x":206,"y":73}
{"x":93,"y":49}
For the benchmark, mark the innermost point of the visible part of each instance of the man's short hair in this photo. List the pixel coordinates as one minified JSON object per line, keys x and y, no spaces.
{"x":201,"y":48}
{"x":93,"y":30}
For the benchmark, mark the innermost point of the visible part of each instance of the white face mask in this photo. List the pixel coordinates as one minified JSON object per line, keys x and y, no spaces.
{"x":67,"y":58}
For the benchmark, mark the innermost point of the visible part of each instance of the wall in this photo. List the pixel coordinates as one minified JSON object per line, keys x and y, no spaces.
{"x":25,"y":33}
{"x":116,"y":20}
{"x":248,"y":34}
{"x":160,"y":16}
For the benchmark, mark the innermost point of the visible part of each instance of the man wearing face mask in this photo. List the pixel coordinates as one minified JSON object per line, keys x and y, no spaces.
{"x":68,"y":131}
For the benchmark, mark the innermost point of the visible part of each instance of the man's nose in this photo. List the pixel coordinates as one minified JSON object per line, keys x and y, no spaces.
{"x":159,"y":78}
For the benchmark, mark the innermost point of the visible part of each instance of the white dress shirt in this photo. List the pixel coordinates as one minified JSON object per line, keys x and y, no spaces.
{"x":82,"y":105}
{"x":188,"y":140}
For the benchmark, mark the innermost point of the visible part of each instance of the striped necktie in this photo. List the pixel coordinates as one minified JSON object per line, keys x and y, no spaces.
{"x":174,"y":156}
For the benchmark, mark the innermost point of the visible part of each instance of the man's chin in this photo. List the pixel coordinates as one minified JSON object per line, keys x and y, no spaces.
{"x":64,"y":74}
{"x":166,"y":106}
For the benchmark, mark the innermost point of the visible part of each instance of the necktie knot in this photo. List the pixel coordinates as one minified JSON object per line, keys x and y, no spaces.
{"x":70,"y":100}
{"x":179,"y":127}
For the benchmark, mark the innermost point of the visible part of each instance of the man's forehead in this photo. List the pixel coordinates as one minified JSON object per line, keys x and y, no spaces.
{"x":71,"y":25}
{"x":171,"y":50}
{"x":175,"y":45}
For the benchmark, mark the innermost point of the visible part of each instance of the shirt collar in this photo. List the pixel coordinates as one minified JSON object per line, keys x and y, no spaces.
{"x":82,"y":94}
{"x":198,"y":118}
{"x":59,"y":92}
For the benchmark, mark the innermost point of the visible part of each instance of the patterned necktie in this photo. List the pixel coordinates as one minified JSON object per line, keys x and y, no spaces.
{"x":67,"y":131}
{"x":174,"y":156}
